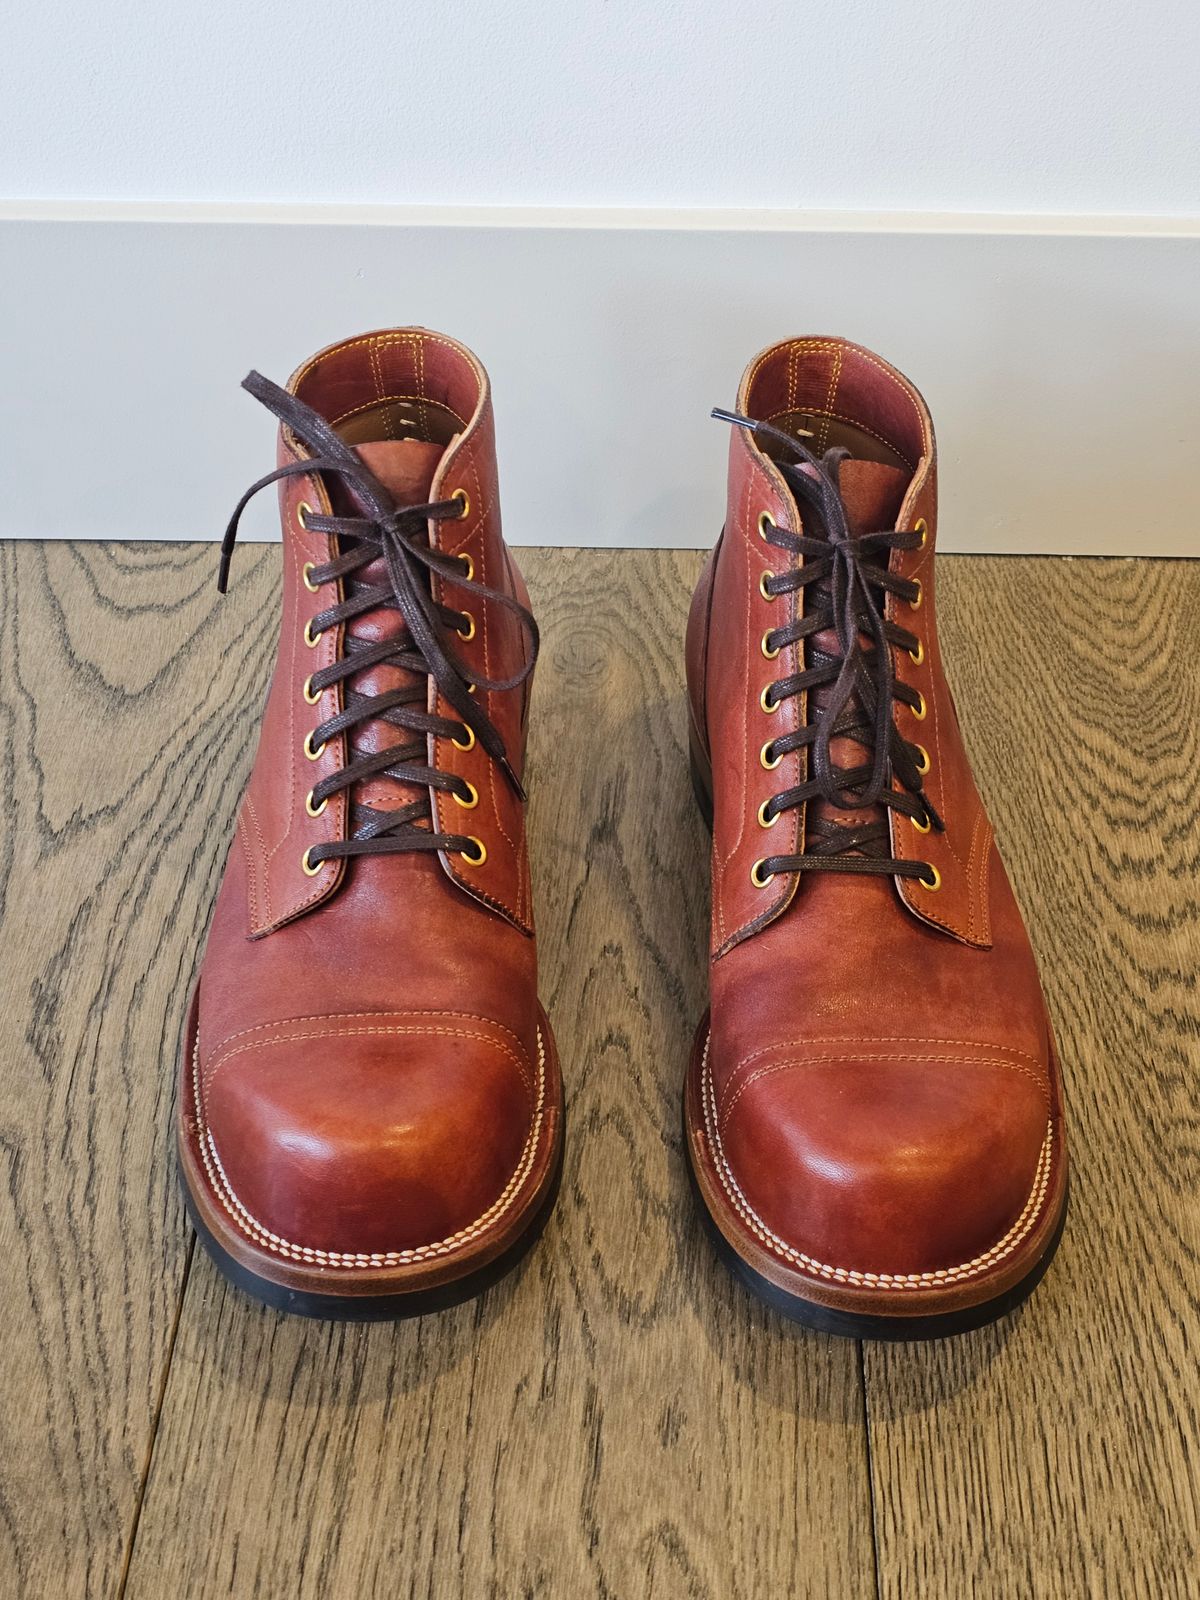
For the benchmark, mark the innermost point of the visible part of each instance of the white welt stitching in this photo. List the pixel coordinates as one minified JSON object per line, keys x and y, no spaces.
{"x":384,"y":1258}
{"x":885,"y":1280}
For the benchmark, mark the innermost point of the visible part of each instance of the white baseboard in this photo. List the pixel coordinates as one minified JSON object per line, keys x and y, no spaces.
{"x":1060,"y":356}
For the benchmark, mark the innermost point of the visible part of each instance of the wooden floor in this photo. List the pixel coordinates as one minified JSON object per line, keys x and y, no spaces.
{"x":618,"y":1420}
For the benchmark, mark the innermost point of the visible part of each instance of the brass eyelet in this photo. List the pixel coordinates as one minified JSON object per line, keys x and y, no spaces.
{"x":922,"y":760}
{"x":932,"y":884}
{"x":310,"y":869}
{"x":464,"y":500}
{"x":922,"y":527}
{"x":756,"y":875}
{"x":469,"y":631}
{"x":472,"y":799}
{"x":920,"y":708}
{"x":309,"y":751}
{"x":918,"y":655}
{"x":468,"y":564}
{"x":915,"y":602}
{"x":765,"y":760}
{"x":310,"y":638}
{"x":763,"y":820}
{"x":303,"y":512}
{"x":765,"y":521}
{"x":468,"y":744}
{"x":767,"y":703}
{"x":766,"y":650}
{"x":480,"y":855}
{"x":314,"y":811}
{"x":311,"y":695}
{"x":921,"y":827}
{"x":305,"y":570}
{"x":762,"y":586}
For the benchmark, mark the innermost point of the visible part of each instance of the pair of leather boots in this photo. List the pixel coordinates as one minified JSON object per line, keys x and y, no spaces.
{"x":371,"y":1107}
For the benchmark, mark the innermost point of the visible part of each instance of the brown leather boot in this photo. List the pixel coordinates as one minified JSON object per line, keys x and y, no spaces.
{"x":873,"y":1107}
{"x":370,"y":1102}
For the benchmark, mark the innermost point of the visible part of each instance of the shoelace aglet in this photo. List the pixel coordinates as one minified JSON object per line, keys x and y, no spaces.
{"x":735,"y":417}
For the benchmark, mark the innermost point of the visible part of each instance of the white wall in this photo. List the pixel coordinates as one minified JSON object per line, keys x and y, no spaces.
{"x":978,"y":105}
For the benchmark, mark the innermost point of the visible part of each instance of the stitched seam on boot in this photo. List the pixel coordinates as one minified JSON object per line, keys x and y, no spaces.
{"x":384,"y":1258}
{"x":885,"y":1280}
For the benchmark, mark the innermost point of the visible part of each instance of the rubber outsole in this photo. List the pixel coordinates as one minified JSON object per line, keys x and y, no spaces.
{"x":376,"y":1308}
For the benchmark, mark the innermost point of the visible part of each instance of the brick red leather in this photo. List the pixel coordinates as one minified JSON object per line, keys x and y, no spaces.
{"x":874,"y":1104}
{"x":369,"y":1086}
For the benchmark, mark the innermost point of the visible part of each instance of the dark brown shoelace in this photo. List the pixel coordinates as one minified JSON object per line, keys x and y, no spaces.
{"x":399,"y":535}
{"x":846,"y":581}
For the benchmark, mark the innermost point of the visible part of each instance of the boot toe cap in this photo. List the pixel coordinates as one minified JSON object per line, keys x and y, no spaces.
{"x":896,"y":1169}
{"x":368,"y":1139}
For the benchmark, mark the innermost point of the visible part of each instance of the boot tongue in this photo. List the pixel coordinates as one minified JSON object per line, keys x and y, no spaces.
{"x":872,"y":494}
{"x":405,"y":467}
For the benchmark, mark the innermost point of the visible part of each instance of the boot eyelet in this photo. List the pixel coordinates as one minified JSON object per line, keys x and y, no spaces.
{"x":468,"y":743}
{"x":303,"y":512}
{"x":311,"y":638}
{"x":472,"y":799}
{"x":310,"y":868}
{"x":922,"y":527}
{"x":467,"y":631}
{"x":764,"y":821}
{"x":921,"y":827}
{"x":920,"y":708}
{"x":766,"y":759}
{"x":477,"y":856}
{"x":314,"y":811}
{"x":768,"y":702}
{"x":934,"y":883}
{"x":766,"y":524}
{"x":922,"y":760}
{"x":313,"y":752}
{"x":468,"y":565}
{"x":311,"y":695}
{"x":918,"y":655}
{"x":309,"y":567}
{"x":766,"y":649}
{"x":762,"y":586}
{"x":758,"y":878}
{"x":464,"y":500}
{"x":916,"y":600}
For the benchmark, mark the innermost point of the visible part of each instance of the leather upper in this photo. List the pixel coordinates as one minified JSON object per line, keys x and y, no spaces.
{"x":877,"y":1078}
{"x":369,"y":1052}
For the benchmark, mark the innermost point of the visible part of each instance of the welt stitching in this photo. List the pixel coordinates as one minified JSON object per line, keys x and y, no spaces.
{"x":799,"y":1062}
{"x":272,"y":1241}
{"x":888,"y":1280}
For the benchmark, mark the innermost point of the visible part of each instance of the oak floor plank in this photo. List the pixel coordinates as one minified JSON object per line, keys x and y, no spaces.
{"x":121,"y":758}
{"x":1059,"y":1455}
{"x":617,"y":1420}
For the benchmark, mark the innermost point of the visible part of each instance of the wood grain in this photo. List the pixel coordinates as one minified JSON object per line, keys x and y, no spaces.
{"x":618,"y":1420}
{"x":1059,"y":1454}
